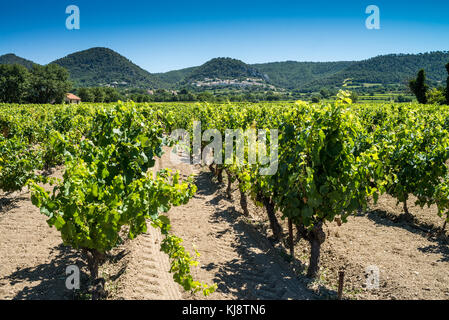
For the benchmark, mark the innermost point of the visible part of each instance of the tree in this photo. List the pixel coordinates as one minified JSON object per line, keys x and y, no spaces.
{"x":111,"y":95}
{"x":325,"y":94}
{"x":185,"y":95}
{"x":419,"y":87}
{"x":315,"y":99}
{"x":14,"y":81}
{"x":436,"y":96}
{"x":48,"y":84}
{"x":401,"y":99}
{"x":354,"y":97}
{"x":207,"y":96}
{"x":86,"y":95}
{"x":99,"y":94}
{"x":447,"y":87}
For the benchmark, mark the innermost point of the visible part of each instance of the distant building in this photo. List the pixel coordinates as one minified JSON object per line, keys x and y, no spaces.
{"x":71,"y":98}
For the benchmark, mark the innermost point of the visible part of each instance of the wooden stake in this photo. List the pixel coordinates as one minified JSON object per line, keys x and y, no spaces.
{"x":341,"y":279}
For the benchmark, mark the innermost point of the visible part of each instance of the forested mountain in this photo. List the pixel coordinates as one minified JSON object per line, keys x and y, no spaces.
{"x":102,"y":66}
{"x":13,"y":59}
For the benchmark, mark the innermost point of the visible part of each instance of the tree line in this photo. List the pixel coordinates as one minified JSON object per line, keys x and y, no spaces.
{"x":108,"y":94}
{"x":40,"y":84}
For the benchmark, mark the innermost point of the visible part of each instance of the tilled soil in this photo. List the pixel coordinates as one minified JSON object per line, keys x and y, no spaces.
{"x":33,"y":260}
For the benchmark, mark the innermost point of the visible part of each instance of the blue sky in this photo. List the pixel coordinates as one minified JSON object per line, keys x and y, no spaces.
{"x":167,"y":35}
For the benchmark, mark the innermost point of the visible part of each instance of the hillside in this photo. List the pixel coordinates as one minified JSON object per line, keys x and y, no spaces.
{"x":224,"y":68}
{"x":172,"y":78}
{"x":102,"y":66}
{"x":312,"y":76}
{"x":292,"y":74}
{"x":388,"y":69}
{"x":13,"y":59}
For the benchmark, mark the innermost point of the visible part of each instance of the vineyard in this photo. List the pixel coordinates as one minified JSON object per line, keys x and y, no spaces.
{"x":354,"y":186}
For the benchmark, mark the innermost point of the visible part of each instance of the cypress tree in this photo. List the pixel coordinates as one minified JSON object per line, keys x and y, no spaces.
{"x":419,"y":87}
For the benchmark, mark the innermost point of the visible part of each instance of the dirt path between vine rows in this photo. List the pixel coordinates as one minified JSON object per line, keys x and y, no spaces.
{"x":233,"y":254}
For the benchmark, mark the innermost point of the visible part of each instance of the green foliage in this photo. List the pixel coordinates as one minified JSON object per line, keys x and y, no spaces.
{"x":329,"y":173}
{"x":17,"y":164}
{"x":48,"y":84}
{"x":442,"y":198}
{"x":415,"y":151}
{"x":181,"y":262}
{"x":98,"y":94}
{"x":332,"y":158}
{"x":401,"y":99}
{"x":325,"y":94}
{"x":293,"y":75}
{"x":14,"y":81}
{"x":43,"y":84}
{"x":354,"y":97}
{"x":436,"y":96}
{"x":315,"y":99}
{"x":86,"y":95}
{"x":111,"y":95}
{"x":108,"y":184}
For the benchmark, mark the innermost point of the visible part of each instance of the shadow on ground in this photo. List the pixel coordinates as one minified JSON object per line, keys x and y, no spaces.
{"x":47,"y":281}
{"x":8,"y":202}
{"x":427,"y":231}
{"x":257,"y":273}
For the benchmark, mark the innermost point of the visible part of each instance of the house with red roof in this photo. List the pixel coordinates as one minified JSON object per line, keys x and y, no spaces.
{"x":71,"y":98}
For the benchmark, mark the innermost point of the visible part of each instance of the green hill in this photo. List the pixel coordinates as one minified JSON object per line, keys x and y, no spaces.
{"x":102,"y":66}
{"x":13,"y":59}
{"x":292,"y":74}
{"x":172,"y":78}
{"x":224,"y":68}
{"x":388,"y":69}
